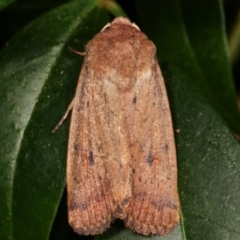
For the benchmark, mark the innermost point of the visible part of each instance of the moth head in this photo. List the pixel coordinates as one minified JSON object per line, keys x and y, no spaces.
{"x":120,"y":20}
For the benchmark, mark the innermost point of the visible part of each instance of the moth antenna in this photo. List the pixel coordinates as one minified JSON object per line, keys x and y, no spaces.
{"x":106,"y":26}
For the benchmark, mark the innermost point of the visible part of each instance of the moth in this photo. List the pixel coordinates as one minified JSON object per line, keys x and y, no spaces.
{"x":121,"y":160}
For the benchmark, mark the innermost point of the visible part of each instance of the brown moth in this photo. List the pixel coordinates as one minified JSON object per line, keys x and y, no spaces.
{"x":121,"y":159}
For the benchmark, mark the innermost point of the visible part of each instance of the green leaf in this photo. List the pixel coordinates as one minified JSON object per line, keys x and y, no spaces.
{"x":208,"y":160}
{"x":38,"y":78}
{"x":211,"y":50}
{"x":191,"y":35}
{"x":112,"y":7}
{"x":5,"y":3}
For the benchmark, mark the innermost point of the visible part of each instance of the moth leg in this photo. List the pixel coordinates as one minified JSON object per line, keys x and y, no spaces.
{"x":75,"y":51}
{"x":64,"y":116}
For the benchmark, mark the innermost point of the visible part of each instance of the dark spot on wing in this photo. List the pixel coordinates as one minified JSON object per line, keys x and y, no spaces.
{"x":105,"y":98}
{"x":78,"y":108}
{"x":76,"y":147}
{"x":139,"y":196}
{"x":165,"y":147}
{"x":78,"y":205}
{"x":90,"y":158}
{"x":75,"y":179}
{"x":160,"y":205}
{"x":171,"y":205}
{"x":150,"y":159}
{"x":125,"y":201}
{"x":134,"y":101}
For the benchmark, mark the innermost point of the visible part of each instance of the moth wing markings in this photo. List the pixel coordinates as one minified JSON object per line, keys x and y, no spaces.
{"x":90,"y":202}
{"x":115,"y":141}
{"x":154,"y":206}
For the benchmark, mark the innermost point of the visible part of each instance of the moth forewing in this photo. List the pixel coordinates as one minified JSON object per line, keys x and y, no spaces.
{"x":121,"y":159}
{"x":90,"y":202}
{"x":154,"y":205}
